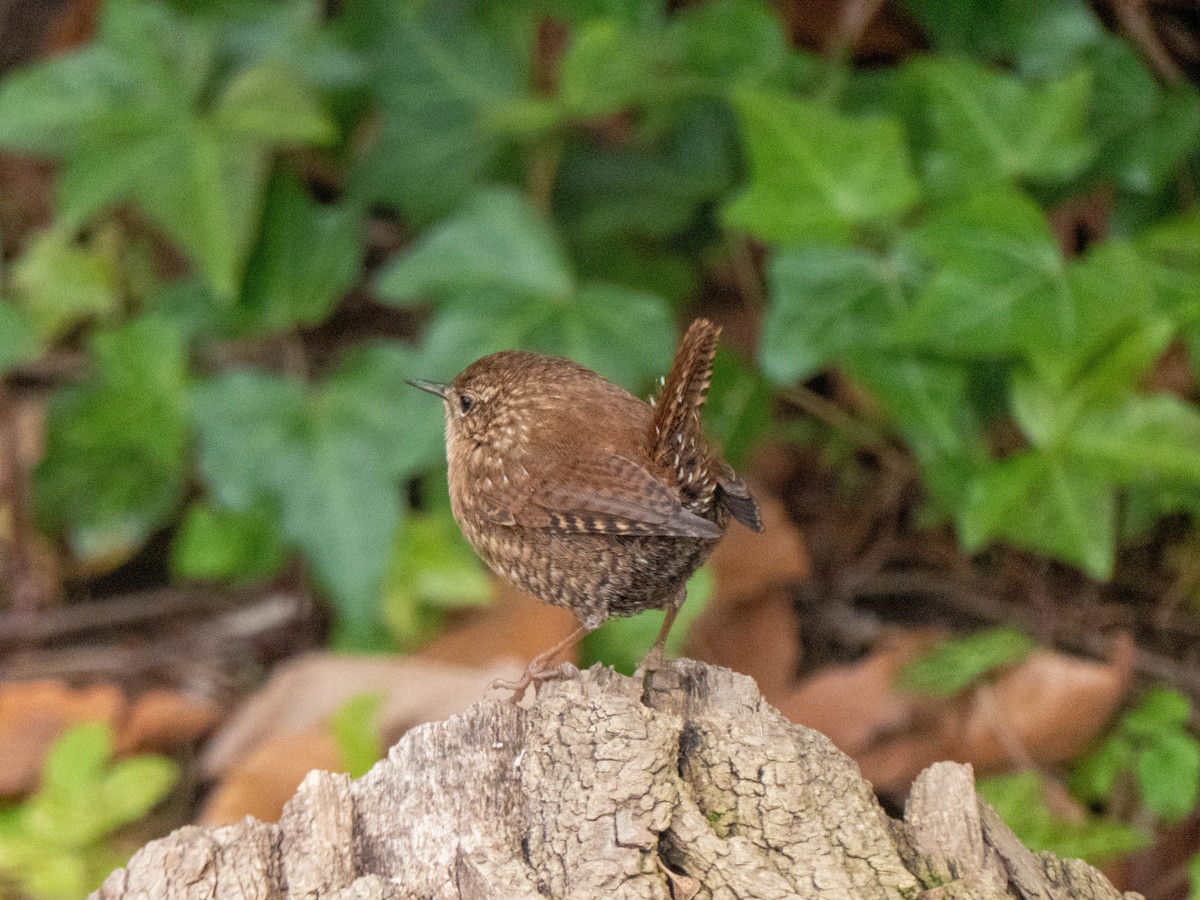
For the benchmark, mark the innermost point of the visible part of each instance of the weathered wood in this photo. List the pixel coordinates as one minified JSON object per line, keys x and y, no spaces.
{"x":699,"y":790}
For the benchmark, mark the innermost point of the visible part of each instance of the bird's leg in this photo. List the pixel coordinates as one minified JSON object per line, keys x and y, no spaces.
{"x":538,"y":671}
{"x":654,"y":659}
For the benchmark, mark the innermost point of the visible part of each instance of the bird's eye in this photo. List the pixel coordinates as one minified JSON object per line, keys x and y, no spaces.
{"x":466,"y":401}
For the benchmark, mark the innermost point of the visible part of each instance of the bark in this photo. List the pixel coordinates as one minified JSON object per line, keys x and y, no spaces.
{"x":698,"y":790}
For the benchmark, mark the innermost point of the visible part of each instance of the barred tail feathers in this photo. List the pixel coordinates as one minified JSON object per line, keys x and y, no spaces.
{"x":677,"y":408}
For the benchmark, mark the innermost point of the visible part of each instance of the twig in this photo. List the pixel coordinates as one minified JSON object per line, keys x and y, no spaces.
{"x":855,"y":16}
{"x":23,"y":591}
{"x":1134,"y":17}
{"x":745,"y":273}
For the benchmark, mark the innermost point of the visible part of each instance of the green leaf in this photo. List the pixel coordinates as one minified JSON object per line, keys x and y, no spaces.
{"x":929,"y":402}
{"x":1160,"y":710}
{"x":145,"y":133}
{"x":356,"y":731}
{"x":816,"y":175}
{"x":271,"y":103}
{"x":729,"y":41}
{"x":1094,"y":776}
{"x":243,"y":420}
{"x":1168,"y":775}
{"x":608,"y":67}
{"x":624,"y":642}
{"x":496,"y":242}
{"x":306,"y":256}
{"x":432,"y":568}
{"x":998,"y":284}
{"x":624,"y":335}
{"x":989,"y":128}
{"x":1155,"y":437}
{"x":60,"y":283}
{"x":368,"y":393}
{"x":657,"y":183}
{"x":444,"y":86}
{"x":1146,"y":130}
{"x":18,"y":340}
{"x":134,"y":786}
{"x":1040,"y":38}
{"x":1171,"y":252}
{"x":242,"y":546}
{"x":45,"y":106}
{"x":328,"y":461}
{"x":1041,"y":502}
{"x":737,"y":415}
{"x":75,"y":763}
{"x":825,"y":301}
{"x":341,"y":507}
{"x":1021,"y":802}
{"x":957,"y":663}
{"x":114,"y":465}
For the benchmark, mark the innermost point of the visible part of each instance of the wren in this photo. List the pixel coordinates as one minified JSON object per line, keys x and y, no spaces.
{"x":582,"y":494}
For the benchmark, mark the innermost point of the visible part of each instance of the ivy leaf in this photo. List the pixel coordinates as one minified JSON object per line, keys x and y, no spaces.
{"x":443,"y":84}
{"x":955,"y":664}
{"x":816,"y":175}
{"x":1159,"y":710}
{"x":355,"y":728}
{"x":212,"y":544}
{"x":432,"y":569}
{"x":114,"y":465}
{"x":18,"y":340}
{"x":305,"y":257}
{"x":1039,"y":501}
{"x":729,"y":41}
{"x":652,"y":186}
{"x":929,"y":402}
{"x":825,"y":301}
{"x":268,"y":102}
{"x":328,"y":461}
{"x":624,"y":335}
{"x":999,"y":281}
{"x":737,"y":414}
{"x":1039,"y":38}
{"x":989,"y":128}
{"x":60,"y":283}
{"x":608,"y":67}
{"x":1021,"y":801}
{"x":1156,"y":437}
{"x":144,"y":134}
{"x":1168,"y":775}
{"x":1145,"y":130}
{"x":496,"y":242}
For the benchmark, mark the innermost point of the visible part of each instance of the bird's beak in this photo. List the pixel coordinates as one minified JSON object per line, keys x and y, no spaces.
{"x":433,"y":387}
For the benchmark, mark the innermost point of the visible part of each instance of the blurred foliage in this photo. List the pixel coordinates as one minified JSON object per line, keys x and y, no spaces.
{"x":954,"y":664}
{"x":59,"y":843}
{"x":1152,"y":749}
{"x":356,"y":732}
{"x":569,"y":196}
{"x":1021,"y":800}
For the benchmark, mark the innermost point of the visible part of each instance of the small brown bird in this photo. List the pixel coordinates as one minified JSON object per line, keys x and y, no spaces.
{"x":582,"y":494}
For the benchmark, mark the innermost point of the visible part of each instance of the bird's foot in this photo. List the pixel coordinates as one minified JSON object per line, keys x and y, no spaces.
{"x":536,"y":676}
{"x":651,"y":664}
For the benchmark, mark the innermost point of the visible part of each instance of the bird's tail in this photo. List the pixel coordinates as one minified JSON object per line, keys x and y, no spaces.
{"x":677,"y":408}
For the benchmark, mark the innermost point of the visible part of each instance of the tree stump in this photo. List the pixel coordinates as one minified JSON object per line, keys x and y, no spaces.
{"x":698,"y":790}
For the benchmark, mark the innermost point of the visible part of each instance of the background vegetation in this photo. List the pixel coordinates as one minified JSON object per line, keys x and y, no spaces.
{"x":268,"y":215}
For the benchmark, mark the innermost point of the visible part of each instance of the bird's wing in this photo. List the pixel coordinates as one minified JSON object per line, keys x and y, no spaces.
{"x":608,"y":495}
{"x":736,"y":498}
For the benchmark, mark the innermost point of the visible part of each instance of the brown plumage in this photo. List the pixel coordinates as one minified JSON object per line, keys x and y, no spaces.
{"x":582,"y":494}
